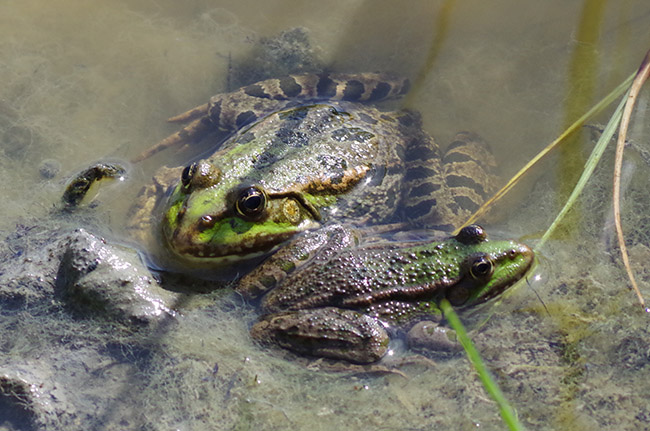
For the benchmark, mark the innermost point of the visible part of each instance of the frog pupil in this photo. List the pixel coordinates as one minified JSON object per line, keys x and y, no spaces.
{"x":251,"y":202}
{"x":187,"y":174}
{"x":482,"y":267}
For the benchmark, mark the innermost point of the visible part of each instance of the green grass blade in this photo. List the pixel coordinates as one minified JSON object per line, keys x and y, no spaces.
{"x":590,"y":165}
{"x":595,"y":110}
{"x":507,"y":412}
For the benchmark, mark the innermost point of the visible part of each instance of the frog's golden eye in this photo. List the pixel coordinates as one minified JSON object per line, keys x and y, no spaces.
{"x":188,"y":174}
{"x":199,"y":175}
{"x":251,"y":203}
{"x":482,"y":267}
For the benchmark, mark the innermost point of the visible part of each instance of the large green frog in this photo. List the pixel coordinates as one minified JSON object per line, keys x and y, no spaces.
{"x":303,"y":152}
{"x":344,"y":301}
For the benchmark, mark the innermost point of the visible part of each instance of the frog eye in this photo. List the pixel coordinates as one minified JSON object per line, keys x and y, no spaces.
{"x":472,"y":234}
{"x":482,"y":267}
{"x":251,"y":203}
{"x":188,"y":174}
{"x":201,"y":175}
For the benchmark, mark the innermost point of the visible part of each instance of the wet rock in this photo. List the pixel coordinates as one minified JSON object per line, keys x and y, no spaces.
{"x":29,"y":399}
{"x":92,"y":277}
{"x":97,"y":278}
{"x":29,"y":259}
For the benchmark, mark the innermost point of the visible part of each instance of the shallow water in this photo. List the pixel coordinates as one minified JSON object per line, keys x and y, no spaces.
{"x":87,"y":81}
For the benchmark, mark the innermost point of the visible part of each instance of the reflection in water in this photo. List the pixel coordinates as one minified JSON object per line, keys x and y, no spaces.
{"x":582,"y":81}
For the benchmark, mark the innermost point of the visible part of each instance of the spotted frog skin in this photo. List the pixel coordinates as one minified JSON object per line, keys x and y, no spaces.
{"x":301,"y":153}
{"x":345,"y":301}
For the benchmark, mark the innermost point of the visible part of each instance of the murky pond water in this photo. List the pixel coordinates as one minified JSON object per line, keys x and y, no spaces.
{"x":88,"y":81}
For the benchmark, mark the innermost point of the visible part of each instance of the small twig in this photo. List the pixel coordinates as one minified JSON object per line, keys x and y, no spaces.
{"x":639,"y":80}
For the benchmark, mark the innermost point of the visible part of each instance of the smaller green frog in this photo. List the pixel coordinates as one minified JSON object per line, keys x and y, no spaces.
{"x":342,"y":300}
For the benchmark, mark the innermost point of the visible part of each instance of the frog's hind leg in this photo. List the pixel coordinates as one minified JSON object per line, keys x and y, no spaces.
{"x":193,"y":131}
{"x":468,"y":166}
{"x":425,"y":193}
{"x":326,"y":332}
{"x":441,"y":192}
{"x":231,"y":111}
{"x":190,"y":115}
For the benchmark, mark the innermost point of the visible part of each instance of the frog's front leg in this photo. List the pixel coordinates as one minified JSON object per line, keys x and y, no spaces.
{"x":310,"y":247}
{"x":325,"y":332}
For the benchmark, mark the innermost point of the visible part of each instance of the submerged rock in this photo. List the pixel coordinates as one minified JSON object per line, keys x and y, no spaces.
{"x":95,"y":277}
{"x":286,"y":53}
{"x":29,"y":398}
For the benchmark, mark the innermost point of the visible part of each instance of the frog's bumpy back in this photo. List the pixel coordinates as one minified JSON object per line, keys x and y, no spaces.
{"x":231,"y":111}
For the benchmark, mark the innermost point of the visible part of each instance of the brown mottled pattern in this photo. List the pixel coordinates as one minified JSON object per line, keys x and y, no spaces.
{"x":348,"y":179}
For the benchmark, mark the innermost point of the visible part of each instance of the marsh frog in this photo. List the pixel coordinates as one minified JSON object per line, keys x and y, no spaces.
{"x":352,"y":293}
{"x":301,"y":153}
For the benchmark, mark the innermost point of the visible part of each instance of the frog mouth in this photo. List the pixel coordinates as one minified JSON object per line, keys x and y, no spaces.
{"x":225,"y":252}
{"x":215,"y":249}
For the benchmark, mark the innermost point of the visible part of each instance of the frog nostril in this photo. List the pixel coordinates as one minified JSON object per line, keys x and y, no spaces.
{"x":181,"y":213}
{"x":206,"y":222}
